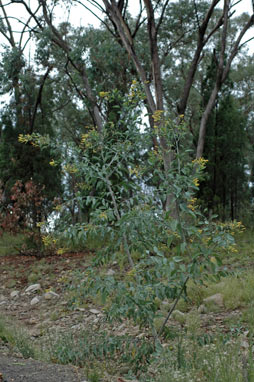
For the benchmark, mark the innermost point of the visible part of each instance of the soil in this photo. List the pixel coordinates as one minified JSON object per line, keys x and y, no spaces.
{"x":21,"y":370}
{"x":16,"y":275}
{"x":53,"y":315}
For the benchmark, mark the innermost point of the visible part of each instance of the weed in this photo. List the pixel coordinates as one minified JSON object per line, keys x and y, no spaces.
{"x":206,"y":360}
{"x":10,"y":243}
{"x":16,"y":339}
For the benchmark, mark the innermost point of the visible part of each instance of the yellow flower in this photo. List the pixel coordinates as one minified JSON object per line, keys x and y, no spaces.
{"x":103,"y":215}
{"x":201,"y":162}
{"x":71,"y":169}
{"x":103,"y":94}
{"x":192,"y":203}
{"x":196,"y":182}
{"x":134,"y":171}
{"x":157,"y":115}
{"x":61,"y":251}
{"x":40,"y":224}
{"x":52,"y":163}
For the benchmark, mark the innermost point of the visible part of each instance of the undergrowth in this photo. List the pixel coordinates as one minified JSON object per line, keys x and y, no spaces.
{"x":16,"y":339}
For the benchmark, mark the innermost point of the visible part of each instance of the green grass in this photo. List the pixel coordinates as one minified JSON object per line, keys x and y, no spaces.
{"x":9,"y":244}
{"x":191,"y":353}
{"x":16,"y":339}
{"x":192,"y":361}
{"x":245,"y":251}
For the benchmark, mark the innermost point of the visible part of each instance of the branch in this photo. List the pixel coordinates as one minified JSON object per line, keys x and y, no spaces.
{"x":194,"y":64}
{"x":33,"y":14}
{"x":95,"y":15}
{"x":127,"y":40}
{"x":138,"y":22}
{"x":11,"y":38}
{"x":24,"y":29}
{"x":79,"y":92}
{"x":237,"y":46}
{"x":38,"y":99}
{"x":162,"y":16}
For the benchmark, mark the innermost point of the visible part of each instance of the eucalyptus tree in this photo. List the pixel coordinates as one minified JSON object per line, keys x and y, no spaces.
{"x":27,"y":109}
{"x":154,"y":54}
{"x":205,"y":28}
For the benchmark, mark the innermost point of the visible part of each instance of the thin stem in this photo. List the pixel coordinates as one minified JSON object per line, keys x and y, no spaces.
{"x":173,"y":306}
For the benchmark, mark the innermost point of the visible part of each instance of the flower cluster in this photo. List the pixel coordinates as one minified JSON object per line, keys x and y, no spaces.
{"x":71,"y":169}
{"x":104,"y":94}
{"x":201,"y":162}
{"x":157,"y":117}
{"x":192,"y":204}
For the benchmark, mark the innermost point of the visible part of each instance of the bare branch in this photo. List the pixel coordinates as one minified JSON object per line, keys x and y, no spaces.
{"x":236,"y":46}
{"x":196,"y":14}
{"x":194,"y":64}
{"x":11,"y":37}
{"x":162,"y":15}
{"x":98,"y":18}
{"x":33,"y":14}
{"x":38,"y":98}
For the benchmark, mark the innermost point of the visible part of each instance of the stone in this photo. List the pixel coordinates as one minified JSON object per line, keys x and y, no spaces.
{"x":202,"y":309}
{"x":50,"y":295}
{"x":14,"y":293}
{"x":110,"y":272}
{"x":33,"y":288}
{"x":94,"y":311}
{"x":179,"y":316}
{"x":35,"y":332}
{"x":35,"y":301}
{"x":2,"y":298}
{"x":32,"y":321}
{"x":215,"y":299}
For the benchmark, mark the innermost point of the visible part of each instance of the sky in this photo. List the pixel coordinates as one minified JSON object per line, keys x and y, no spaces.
{"x":79,"y":16}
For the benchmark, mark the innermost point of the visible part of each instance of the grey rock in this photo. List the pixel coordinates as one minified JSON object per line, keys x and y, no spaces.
{"x":33,"y":288}
{"x":50,"y":295}
{"x":14,"y":293}
{"x":216,"y":299}
{"x":2,"y":298}
{"x":179,"y":316}
{"x":110,"y":272}
{"x":35,"y":301}
{"x":94,"y":311}
{"x":202,"y":309}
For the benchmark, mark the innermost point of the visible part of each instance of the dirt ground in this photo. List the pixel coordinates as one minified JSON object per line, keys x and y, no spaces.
{"x":21,"y":370}
{"x":14,"y":275}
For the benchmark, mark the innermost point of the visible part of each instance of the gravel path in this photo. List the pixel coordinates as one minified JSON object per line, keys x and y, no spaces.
{"x":23,"y":370}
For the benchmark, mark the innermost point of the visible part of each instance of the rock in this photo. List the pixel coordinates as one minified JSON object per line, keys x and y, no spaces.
{"x":35,"y":332}
{"x":49,"y":295}
{"x":179,"y":316}
{"x":35,"y":301}
{"x":202,"y":309}
{"x":165,"y":306}
{"x":215,"y":299}
{"x":14,"y":293}
{"x":33,"y":288}
{"x":94,"y":311}
{"x":32,"y":321}
{"x":2,"y":298}
{"x":110,"y":272}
